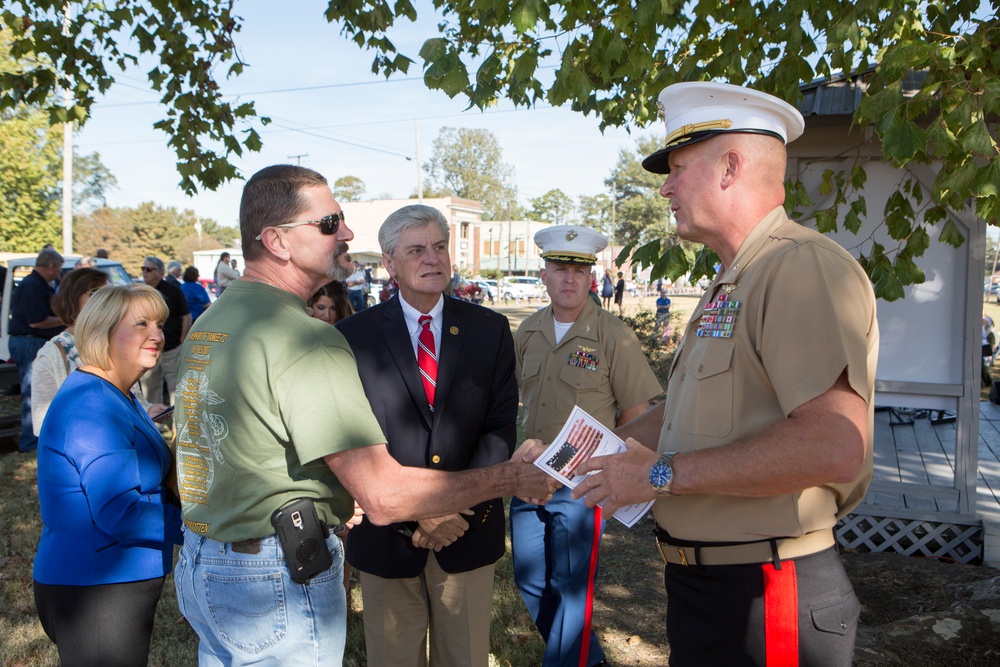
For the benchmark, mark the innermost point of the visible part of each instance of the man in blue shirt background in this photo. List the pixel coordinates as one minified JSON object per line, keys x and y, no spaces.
{"x":32,"y":323}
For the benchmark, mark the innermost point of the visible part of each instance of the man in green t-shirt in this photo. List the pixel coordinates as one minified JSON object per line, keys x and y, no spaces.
{"x":268,"y":413}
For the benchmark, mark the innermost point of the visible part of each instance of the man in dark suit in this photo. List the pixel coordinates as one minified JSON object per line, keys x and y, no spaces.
{"x":445,"y":396}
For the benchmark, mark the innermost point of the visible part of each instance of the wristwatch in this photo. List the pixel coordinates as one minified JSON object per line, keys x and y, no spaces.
{"x":661,"y":474}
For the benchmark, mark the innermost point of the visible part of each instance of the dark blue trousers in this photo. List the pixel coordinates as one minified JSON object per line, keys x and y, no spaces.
{"x":555,"y":550}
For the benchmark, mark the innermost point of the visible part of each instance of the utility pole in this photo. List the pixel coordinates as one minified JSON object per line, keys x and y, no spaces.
{"x":614,"y":208}
{"x":420,"y":177}
{"x":298,"y":158}
{"x":67,"y":193}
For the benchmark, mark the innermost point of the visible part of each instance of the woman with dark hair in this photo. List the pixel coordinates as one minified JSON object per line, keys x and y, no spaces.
{"x":195,"y":295}
{"x":109,"y":524}
{"x":330,"y":303}
{"x":58,"y":357}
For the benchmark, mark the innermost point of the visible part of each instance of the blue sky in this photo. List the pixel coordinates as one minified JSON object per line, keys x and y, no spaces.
{"x":328,"y":108}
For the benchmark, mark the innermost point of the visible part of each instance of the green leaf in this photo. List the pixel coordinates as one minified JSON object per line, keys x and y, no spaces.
{"x":524,"y":15}
{"x":852,"y":222}
{"x":253,"y":141}
{"x":858,"y":177}
{"x":906,"y":271}
{"x":902,"y":139}
{"x":952,"y":235}
{"x":976,"y":139}
{"x":434,"y":49}
{"x":987,"y":180}
{"x":881,"y":104}
{"x":675,"y":262}
{"x":918,"y":243}
{"x":704,"y":264}
{"x":935,"y":214}
{"x":953,"y":182}
{"x":623,"y":255}
{"x":826,"y":220}
{"x":988,"y":208}
{"x":826,"y":185}
{"x":888,"y":287}
{"x":899,"y":216}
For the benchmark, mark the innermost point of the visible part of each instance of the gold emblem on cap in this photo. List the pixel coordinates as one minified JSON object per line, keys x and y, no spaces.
{"x":571,"y":235}
{"x":684,"y":130}
{"x":660,"y":111}
{"x":453,"y":331}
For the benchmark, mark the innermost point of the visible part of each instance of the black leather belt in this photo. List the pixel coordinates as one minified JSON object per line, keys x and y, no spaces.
{"x":771,"y":550}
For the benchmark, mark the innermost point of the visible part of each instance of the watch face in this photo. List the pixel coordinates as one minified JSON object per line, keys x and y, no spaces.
{"x":660,"y":474}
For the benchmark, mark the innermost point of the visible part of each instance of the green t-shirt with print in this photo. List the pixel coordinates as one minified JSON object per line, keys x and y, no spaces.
{"x":264,"y":393}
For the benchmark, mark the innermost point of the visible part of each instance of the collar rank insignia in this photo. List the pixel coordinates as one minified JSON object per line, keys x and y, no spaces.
{"x":719,"y":318}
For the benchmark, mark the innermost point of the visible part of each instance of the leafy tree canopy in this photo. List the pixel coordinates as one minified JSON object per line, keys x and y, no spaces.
{"x":130,"y":234}
{"x":555,"y":206}
{"x":612,"y":58}
{"x":30,"y":168}
{"x":31,"y":153}
{"x":469,"y":163}
{"x":191,"y":44}
{"x":595,"y":210}
{"x":349,"y":188}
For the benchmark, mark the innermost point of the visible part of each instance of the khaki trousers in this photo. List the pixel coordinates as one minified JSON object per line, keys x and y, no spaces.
{"x":151,"y":382}
{"x":455,"y":608}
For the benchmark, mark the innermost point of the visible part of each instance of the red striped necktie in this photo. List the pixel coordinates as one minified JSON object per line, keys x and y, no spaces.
{"x":427,"y":359}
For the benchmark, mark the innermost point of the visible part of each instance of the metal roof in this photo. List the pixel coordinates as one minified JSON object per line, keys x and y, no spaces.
{"x":840,"y":96}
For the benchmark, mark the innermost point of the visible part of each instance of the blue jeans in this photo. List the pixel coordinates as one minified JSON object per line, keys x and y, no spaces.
{"x":356,"y":297}
{"x":24,"y":349}
{"x":246,"y":609}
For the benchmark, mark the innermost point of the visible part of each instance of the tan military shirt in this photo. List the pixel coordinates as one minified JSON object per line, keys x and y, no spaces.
{"x":599,"y":366}
{"x":776,"y":330}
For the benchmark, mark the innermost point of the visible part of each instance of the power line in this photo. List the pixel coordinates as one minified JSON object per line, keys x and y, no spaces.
{"x":273,"y":91}
{"x":343,"y":141}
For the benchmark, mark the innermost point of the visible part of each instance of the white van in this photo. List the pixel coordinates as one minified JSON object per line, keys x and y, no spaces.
{"x":522,"y":287}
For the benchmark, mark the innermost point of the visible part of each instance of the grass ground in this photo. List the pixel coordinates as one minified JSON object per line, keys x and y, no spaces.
{"x":629,"y":607}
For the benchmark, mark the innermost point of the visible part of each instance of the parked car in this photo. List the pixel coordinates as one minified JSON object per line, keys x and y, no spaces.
{"x":522,"y":287}
{"x":19,"y":267}
{"x":209,"y":285}
{"x":372,"y":297}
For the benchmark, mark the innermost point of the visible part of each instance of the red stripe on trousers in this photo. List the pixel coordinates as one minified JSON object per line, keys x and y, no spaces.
{"x":595,"y":548}
{"x":781,"y":615}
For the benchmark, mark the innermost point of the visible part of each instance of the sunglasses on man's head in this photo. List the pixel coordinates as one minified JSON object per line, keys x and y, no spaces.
{"x":328,"y":225}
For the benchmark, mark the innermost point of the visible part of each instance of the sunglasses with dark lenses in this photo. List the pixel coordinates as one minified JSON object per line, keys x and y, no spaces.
{"x":147,"y":269}
{"x":328,"y":225}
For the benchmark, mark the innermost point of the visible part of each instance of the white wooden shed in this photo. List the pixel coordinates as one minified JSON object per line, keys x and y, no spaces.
{"x":929,"y":361}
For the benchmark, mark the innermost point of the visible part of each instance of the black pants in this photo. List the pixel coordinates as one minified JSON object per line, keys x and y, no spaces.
{"x":100,"y":626}
{"x":716,"y":613}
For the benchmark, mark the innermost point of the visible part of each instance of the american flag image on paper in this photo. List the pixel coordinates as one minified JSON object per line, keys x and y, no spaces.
{"x":579,"y":445}
{"x":581,"y":438}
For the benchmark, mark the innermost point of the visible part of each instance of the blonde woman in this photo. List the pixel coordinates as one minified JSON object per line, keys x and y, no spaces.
{"x":109,"y":522}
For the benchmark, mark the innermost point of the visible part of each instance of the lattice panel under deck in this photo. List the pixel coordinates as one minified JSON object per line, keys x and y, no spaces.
{"x":912,"y":537}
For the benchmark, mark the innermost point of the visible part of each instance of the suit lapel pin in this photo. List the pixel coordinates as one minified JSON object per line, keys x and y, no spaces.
{"x":453,"y":331}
